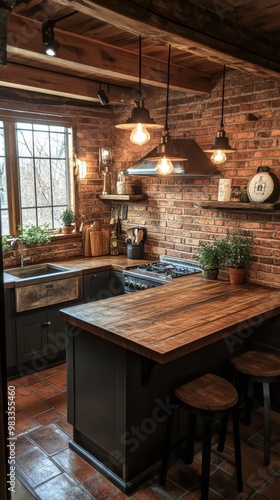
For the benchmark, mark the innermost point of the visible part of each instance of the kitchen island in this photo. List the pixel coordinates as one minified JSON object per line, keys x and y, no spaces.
{"x":126,"y":354}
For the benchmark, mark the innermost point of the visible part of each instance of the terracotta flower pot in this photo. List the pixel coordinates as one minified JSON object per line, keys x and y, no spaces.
{"x":67,"y":229}
{"x":210,"y":274}
{"x":237,"y":276}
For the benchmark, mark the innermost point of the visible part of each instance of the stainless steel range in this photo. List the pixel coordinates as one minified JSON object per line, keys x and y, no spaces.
{"x":158,"y":273}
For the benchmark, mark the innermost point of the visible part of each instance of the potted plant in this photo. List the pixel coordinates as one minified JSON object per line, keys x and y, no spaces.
{"x":5,"y":244}
{"x":68,"y":217}
{"x":238,"y":255}
{"x":32,"y":234}
{"x":211,"y":256}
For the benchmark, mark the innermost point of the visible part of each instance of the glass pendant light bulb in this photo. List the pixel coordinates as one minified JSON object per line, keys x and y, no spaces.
{"x":218,"y":157}
{"x":164,"y":166}
{"x":139,"y":135}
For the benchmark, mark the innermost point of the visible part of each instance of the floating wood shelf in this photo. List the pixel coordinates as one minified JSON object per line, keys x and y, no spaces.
{"x":122,"y":197}
{"x":231,"y":205}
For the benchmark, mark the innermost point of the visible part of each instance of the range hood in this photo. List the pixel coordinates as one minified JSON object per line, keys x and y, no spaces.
{"x":196,"y":165}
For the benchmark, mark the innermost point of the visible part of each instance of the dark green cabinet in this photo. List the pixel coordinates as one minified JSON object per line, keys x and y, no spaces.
{"x":34,"y":339}
{"x":116,"y":283}
{"x":10,"y":329}
{"x":102,"y":285}
{"x":40,"y":335}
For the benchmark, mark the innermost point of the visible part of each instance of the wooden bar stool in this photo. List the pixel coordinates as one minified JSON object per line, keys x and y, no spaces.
{"x":263,"y":368}
{"x":211,"y":397}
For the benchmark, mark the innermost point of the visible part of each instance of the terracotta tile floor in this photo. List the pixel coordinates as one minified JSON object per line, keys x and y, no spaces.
{"x":52,"y":471}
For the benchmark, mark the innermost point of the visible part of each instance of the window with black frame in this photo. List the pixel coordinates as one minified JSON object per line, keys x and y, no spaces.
{"x":37,"y":181}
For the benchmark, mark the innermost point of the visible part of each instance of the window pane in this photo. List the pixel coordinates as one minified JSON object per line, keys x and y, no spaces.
{"x":24,"y":126}
{"x":45,"y":216}
{"x":41,"y":144}
{"x":59,"y":187}
{"x":43,"y":182}
{"x":39,"y":126}
{"x":25,"y":143}
{"x":44,"y":173}
{"x":26,"y":170}
{"x":28,"y":216}
{"x":57,"y":145}
{"x":3,"y":185}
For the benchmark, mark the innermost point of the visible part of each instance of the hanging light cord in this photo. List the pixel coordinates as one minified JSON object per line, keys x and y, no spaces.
{"x":167,"y":89}
{"x":140,"y":65}
{"x":223,"y":97}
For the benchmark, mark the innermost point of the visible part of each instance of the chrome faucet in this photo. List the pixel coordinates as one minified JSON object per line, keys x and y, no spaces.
{"x":13,"y":243}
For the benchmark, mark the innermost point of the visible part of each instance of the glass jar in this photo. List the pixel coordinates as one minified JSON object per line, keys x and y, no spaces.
{"x":244,"y":196}
{"x":114,"y":244}
{"x":235,"y":193}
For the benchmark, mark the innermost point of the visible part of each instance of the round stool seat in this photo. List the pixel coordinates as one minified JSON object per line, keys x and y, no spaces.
{"x":257,"y":364}
{"x":208,"y":392}
{"x":209,"y":398}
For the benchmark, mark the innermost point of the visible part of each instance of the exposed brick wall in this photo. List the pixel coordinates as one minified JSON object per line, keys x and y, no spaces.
{"x":93,"y":128}
{"x":174,"y":222}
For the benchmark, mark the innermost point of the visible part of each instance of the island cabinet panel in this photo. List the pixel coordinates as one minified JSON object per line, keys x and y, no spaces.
{"x":10,"y":330}
{"x":119,"y":401}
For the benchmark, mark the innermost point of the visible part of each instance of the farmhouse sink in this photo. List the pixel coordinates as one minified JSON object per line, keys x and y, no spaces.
{"x":43,"y":285}
{"x":37,"y":270}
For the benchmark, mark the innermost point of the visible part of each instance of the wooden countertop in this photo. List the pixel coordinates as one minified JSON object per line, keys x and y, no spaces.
{"x":167,"y":322}
{"x":87,"y":265}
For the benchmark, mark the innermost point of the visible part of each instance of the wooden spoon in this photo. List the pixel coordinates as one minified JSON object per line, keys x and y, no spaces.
{"x":140,"y":236}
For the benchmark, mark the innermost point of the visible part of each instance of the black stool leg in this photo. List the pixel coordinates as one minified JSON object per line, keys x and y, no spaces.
{"x":166,"y":449}
{"x":248,"y":403}
{"x":266,"y":403}
{"x":222,"y":439}
{"x":190,"y":439}
{"x":237,"y":450}
{"x":206,"y":454}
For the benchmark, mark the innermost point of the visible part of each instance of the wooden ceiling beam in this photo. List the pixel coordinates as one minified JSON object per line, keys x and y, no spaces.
{"x":92,"y":59}
{"x":47,"y":82}
{"x":189,"y":27}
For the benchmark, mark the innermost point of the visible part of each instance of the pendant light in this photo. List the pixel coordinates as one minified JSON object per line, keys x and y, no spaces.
{"x":140,"y":120}
{"x":166,"y":151}
{"x":221,"y":145}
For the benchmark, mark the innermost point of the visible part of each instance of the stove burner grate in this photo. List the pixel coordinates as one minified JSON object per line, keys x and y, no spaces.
{"x":167,"y":269}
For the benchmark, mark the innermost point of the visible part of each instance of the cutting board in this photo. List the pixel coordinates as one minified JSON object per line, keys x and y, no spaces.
{"x":99,"y":242}
{"x":86,"y":237}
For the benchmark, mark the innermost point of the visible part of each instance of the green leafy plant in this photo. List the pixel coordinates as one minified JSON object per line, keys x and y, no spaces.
{"x":68,"y":217}
{"x":211,"y":256}
{"x":5,"y":244}
{"x":238,"y":249}
{"x":35,"y":234}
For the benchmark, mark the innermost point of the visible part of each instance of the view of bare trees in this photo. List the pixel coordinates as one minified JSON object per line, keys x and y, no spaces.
{"x":42,"y":152}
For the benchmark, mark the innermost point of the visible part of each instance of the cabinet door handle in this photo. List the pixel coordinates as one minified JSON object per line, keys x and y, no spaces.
{"x":93,"y":276}
{"x":45,"y":324}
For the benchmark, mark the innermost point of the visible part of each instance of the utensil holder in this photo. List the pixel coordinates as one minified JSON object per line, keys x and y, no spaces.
{"x":135,"y":251}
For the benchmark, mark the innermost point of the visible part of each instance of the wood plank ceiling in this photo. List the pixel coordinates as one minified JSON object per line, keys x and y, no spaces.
{"x":99,"y":44}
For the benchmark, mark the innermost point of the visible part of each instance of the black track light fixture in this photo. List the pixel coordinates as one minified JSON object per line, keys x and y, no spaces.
{"x":102,"y":96}
{"x":51,"y":46}
{"x":221,"y":145}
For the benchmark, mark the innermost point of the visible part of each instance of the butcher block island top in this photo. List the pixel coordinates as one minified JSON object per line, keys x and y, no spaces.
{"x":170,"y":321}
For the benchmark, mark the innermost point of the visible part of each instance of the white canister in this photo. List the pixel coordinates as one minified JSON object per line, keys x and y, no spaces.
{"x":224,"y":191}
